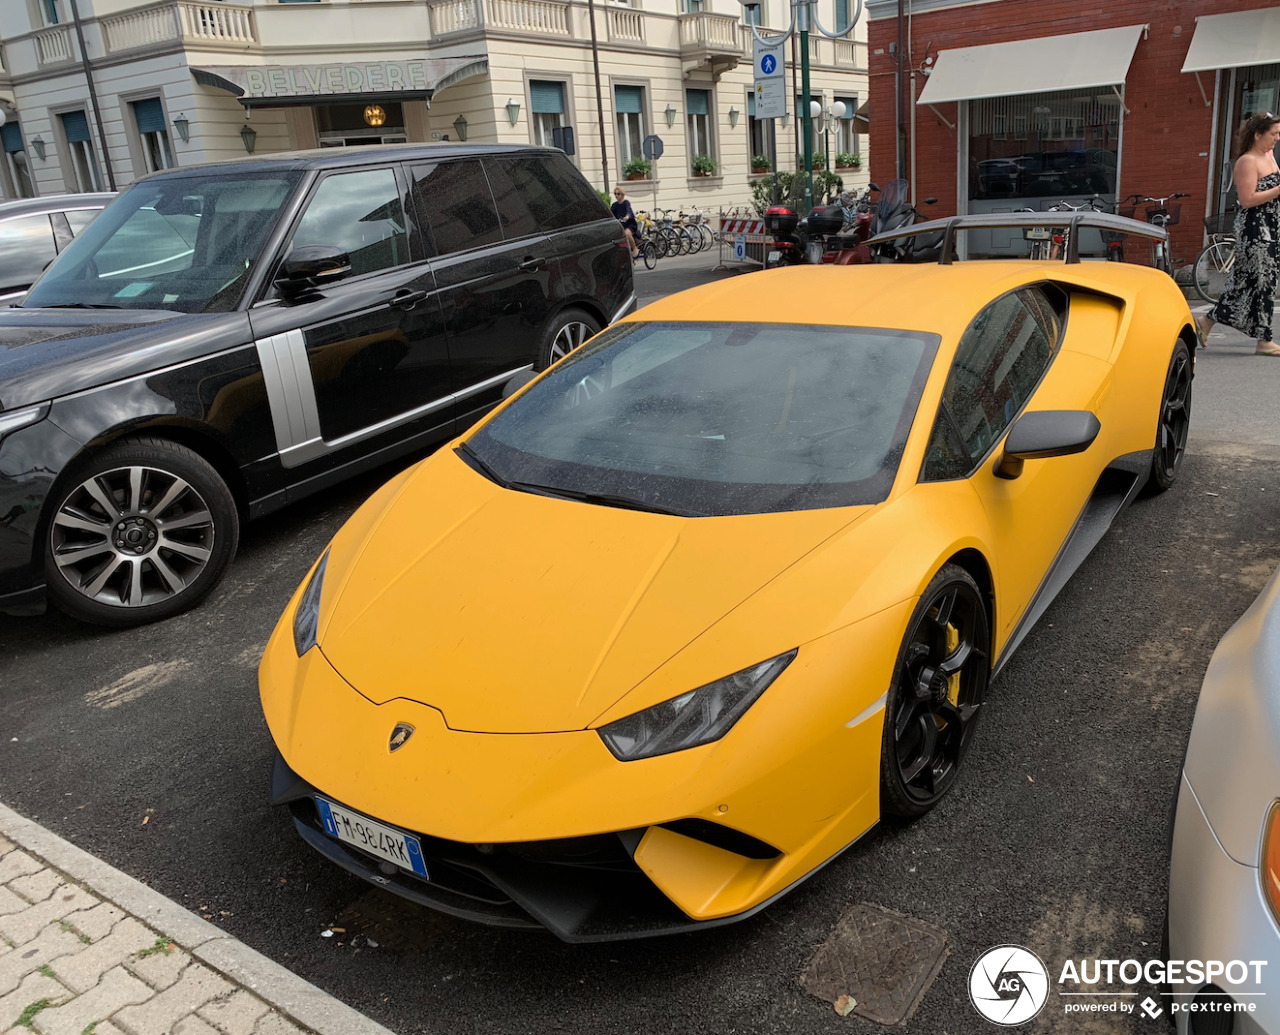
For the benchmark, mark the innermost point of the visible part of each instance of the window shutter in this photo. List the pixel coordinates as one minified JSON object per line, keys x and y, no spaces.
{"x":628,"y":100}
{"x":546,"y":98}
{"x":11,"y":137}
{"x":695,"y":101}
{"x":75,"y":125}
{"x":751,"y":105}
{"x":150,"y":115}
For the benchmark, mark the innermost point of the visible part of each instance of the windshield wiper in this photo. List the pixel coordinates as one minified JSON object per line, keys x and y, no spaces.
{"x":473,"y":460}
{"x":80,"y":305}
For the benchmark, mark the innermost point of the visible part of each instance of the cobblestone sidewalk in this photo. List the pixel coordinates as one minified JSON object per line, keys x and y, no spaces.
{"x":86,"y":950}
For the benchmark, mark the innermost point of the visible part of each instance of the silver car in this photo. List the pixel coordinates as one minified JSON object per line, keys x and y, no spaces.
{"x":1224,"y":881}
{"x":32,"y":233}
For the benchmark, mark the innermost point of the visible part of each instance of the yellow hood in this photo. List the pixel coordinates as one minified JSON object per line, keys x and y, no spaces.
{"x":516,"y":613}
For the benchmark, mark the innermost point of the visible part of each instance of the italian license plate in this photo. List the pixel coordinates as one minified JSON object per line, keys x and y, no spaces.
{"x":1038,"y":233}
{"x":373,"y":837}
{"x":774,"y":258}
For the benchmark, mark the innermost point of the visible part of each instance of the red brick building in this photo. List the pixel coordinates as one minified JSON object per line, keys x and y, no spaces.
{"x":1009,"y":104}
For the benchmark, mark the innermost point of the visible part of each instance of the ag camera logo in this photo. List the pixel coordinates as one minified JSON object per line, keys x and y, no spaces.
{"x":1009,"y":985}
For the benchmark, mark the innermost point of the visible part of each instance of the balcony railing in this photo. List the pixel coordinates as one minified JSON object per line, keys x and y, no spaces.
{"x":713,"y":32}
{"x":53,"y":46}
{"x":211,"y":23}
{"x":851,"y":54}
{"x":539,"y":17}
{"x":626,"y":24}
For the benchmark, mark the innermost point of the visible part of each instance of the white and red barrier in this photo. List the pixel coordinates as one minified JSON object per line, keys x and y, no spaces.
{"x":750,"y":227}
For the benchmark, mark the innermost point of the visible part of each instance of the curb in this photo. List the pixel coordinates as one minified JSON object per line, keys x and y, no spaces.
{"x":288,"y":994}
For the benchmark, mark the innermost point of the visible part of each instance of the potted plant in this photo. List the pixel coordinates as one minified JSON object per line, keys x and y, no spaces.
{"x":760,"y":164}
{"x":819,"y":162}
{"x":703,"y":165}
{"x":848,"y":160}
{"x":637,"y":168}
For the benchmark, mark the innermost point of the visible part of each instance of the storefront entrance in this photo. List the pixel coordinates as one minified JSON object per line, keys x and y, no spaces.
{"x":1244,"y":92}
{"x":355,"y":125}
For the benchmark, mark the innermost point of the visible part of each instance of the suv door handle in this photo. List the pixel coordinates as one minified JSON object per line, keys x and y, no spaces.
{"x":407,"y":299}
{"x":532,"y":264}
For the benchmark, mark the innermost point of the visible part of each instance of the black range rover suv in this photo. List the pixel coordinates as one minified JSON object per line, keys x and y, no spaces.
{"x":226,"y":339}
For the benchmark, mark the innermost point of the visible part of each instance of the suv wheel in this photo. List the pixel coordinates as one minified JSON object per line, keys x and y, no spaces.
{"x":564,"y":334}
{"x":144,"y":531}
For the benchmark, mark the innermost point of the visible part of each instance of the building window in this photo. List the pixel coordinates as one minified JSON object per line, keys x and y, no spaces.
{"x":15,"y":160}
{"x":760,"y":133}
{"x":802,"y":108}
{"x":628,"y":106}
{"x":154,"y":134}
{"x":84,"y":165}
{"x":842,"y":15}
{"x":546,"y":106}
{"x":846,"y":128}
{"x":754,"y":15}
{"x":690,"y":6}
{"x":697,"y":105}
{"x":49,"y":12}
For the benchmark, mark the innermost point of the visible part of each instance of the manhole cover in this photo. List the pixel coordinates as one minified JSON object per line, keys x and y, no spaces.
{"x":884,"y":960}
{"x":393,"y":923}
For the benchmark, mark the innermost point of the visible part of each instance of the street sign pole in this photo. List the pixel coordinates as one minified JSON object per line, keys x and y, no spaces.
{"x":802,"y":24}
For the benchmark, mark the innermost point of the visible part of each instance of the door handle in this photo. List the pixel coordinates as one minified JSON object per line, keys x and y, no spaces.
{"x":532,"y":264}
{"x":407,"y":299}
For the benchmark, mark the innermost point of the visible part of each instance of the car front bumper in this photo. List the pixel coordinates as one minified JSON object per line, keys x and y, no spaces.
{"x":1217,"y":912}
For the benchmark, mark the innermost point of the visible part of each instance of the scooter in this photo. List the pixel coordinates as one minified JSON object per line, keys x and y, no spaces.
{"x":813,"y":239}
{"x":892,"y":211}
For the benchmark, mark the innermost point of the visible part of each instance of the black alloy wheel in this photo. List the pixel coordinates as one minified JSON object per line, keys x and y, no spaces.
{"x":936,"y":695}
{"x":139,"y":532}
{"x":1175,"y":422}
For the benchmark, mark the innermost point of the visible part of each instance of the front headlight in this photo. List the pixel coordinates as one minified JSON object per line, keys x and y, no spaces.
{"x":698,"y":717}
{"x":1270,"y":868}
{"x":306,"y":620}
{"x":12,"y":420}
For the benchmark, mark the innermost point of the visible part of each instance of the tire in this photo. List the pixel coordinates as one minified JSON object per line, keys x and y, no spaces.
{"x":1211,"y":269}
{"x":565,"y":333}
{"x":139,"y":532}
{"x":705,"y":233}
{"x":670,"y":241}
{"x":649,"y":253}
{"x":935,"y":698}
{"x":1173,"y":423}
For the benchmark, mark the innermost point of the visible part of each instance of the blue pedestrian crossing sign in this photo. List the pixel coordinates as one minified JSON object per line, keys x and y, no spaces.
{"x":770,"y":80}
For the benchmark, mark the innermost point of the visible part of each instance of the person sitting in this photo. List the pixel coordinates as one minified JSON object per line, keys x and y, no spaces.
{"x":622,"y":211}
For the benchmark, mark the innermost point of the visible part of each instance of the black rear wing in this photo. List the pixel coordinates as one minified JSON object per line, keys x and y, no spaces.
{"x":1073,"y":221}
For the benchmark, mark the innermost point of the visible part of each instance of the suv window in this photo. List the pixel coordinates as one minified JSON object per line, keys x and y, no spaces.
{"x":513,"y":210}
{"x":26,"y":247}
{"x":453,"y":199}
{"x":359,"y":212}
{"x":555,"y":190}
{"x":1001,"y":358}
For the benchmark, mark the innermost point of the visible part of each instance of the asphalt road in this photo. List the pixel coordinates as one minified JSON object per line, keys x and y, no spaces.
{"x":147,"y":747}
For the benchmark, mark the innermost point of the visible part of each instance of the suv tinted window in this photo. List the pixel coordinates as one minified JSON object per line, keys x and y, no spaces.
{"x":26,"y":246}
{"x":1002,"y":356}
{"x":555,"y":191}
{"x":361,"y":213}
{"x":453,"y":199}
{"x":513,"y":211}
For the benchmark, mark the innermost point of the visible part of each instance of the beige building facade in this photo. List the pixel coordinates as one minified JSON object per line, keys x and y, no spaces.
{"x":182,"y":82}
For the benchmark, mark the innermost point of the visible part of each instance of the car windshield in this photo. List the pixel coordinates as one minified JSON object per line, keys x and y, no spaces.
{"x":707,"y":419}
{"x":185,"y":243}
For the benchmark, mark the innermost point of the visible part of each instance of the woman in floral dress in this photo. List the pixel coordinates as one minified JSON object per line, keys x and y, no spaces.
{"x":1248,"y":301}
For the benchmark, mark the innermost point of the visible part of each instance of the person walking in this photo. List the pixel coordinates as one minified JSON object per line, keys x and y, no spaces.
{"x":622,"y":211}
{"x":1248,"y":300}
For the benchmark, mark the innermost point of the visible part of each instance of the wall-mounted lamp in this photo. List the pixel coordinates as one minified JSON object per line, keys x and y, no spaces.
{"x":250,"y":137}
{"x":183,"y":126}
{"x":37,"y":145}
{"x":734,"y":114}
{"x":460,"y":124}
{"x":670,"y":113}
{"x":786,"y":119}
{"x":513,"y":110}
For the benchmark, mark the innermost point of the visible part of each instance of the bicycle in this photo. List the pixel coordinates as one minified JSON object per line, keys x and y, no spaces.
{"x":1162,"y":214}
{"x":1213,"y":265}
{"x":645,"y":241}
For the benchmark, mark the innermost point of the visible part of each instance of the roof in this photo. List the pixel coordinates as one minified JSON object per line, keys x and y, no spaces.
{"x":348,"y":157}
{"x":53,"y":203}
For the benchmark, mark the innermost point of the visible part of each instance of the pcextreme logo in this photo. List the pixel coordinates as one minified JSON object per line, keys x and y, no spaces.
{"x":1010,"y":984}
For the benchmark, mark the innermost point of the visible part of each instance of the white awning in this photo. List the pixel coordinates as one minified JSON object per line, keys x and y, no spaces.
{"x":1074,"y":61}
{"x":1234,"y":40}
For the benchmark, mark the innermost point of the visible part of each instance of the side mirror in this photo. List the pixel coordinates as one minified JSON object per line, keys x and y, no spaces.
{"x":517,"y":381}
{"x":930,"y":201}
{"x":1045,"y":433}
{"x":312,"y":266}
{"x":873,"y":186}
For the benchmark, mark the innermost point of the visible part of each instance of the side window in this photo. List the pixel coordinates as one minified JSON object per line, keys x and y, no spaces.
{"x":555,"y":191}
{"x":79,"y":218}
{"x":453,"y":199}
{"x":1002,"y":356}
{"x":26,"y":247}
{"x":361,"y":213}
{"x":513,"y":212}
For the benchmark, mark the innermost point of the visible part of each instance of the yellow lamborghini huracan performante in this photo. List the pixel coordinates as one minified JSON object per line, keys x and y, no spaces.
{"x":692,"y":610}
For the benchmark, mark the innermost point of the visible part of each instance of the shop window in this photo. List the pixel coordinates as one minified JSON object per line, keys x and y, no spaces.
{"x":547,"y":110}
{"x":628,"y":107}
{"x":698,"y":123}
{"x":153,"y":134}
{"x":83,"y":163}
{"x":360,"y":213}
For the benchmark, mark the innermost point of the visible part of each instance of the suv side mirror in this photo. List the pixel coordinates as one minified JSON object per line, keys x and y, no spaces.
{"x":311,"y":266}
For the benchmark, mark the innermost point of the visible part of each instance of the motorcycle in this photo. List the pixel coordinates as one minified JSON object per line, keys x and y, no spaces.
{"x":813,"y":239}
